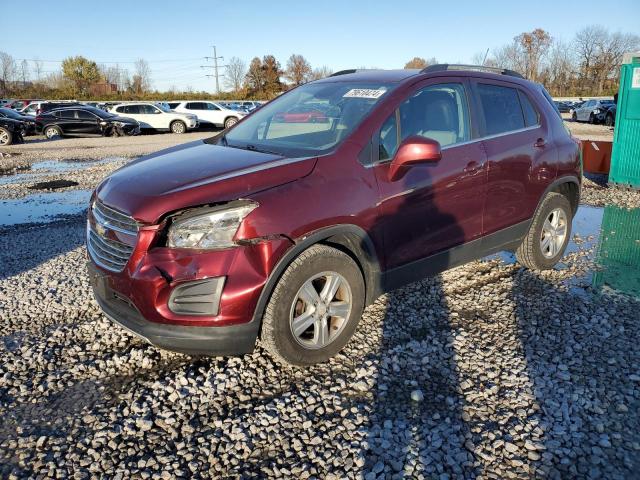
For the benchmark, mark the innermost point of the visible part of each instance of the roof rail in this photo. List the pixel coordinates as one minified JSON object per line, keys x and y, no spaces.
{"x":441,"y":67}
{"x":344,"y":72}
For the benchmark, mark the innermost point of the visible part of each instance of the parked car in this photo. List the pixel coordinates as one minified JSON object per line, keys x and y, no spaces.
{"x":563,"y":107}
{"x":287,"y":230}
{"x":11,"y":131}
{"x":29,"y":122}
{"x":19,"y":104}
{"x":84,"y":120}
{"x":38,"y":107}
{"x":211,"y":113}
{"x":609,"y":116}
{"x":157,"y":117}
{"x":302,"y":114}
{"x":590,"y":110}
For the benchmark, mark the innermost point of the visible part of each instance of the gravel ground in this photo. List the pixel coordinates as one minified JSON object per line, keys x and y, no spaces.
{"x":486,"y":371}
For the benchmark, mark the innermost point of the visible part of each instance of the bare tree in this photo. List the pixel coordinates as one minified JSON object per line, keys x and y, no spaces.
{"x":560,"y":70}
{"x":24,"y":72}
{"x":142,"y":76}
{"x":298,"y":69}
{"x":7,"y":71}
{"x":37,"y":69}
{"x":235,"y":73}
{"x":532,"y":46}
{"x":321,"y":72}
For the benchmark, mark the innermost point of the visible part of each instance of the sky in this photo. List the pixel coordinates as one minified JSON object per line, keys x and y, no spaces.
{"x":174,"y":37}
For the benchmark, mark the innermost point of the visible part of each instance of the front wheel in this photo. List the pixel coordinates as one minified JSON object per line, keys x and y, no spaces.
{"x":315,"y":307}
{"x":230,"y":122}
{"x":592,"y":119}
{"x":548,"y":234}
{"x":574,"y":116}
{"x":178,"y":127}
{"x":608,"y":121}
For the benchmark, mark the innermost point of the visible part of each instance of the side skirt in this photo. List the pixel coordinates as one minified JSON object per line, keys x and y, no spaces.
{"x":506,"y":239}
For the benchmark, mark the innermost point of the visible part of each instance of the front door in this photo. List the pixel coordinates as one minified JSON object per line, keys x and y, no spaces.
{"x":433,"y":206}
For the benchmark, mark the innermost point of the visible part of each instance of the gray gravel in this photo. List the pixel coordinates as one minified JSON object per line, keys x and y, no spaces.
{"x":486,"y":371}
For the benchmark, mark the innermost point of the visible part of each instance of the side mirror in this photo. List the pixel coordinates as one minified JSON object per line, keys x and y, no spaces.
{"x":412,"y":151}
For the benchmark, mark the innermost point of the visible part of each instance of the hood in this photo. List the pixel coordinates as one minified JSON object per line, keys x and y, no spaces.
{"x":193,"y":174}
{"x":118,"y":118}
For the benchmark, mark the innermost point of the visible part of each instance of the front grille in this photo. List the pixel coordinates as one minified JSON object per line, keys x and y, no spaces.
{"x":103,"y":246}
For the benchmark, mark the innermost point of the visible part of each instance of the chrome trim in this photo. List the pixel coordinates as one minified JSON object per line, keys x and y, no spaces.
{"x":109,"y":253}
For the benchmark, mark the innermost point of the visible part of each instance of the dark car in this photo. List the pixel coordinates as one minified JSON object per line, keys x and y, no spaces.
{"x":563,"y":107}
{"x":288,"y":230}
{"x":11,"y":131}
{"x":29,"y":122}
{"x":84,"y":121}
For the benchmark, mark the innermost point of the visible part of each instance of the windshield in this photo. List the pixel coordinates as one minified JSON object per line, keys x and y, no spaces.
{"x":310,"y":120}
{"x":164,"y":107}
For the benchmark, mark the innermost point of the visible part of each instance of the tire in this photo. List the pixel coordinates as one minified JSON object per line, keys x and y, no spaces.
{"x":574,"y":116}
{"x":51,"y":132}
{"x":178,"y":126}
{"x":230,"y":122}
{"x":532,"y":252}
{"x":312,"y":269}
{"x":592,"y":119}
{"x":6,"y":137}
{"x":608,"y":120}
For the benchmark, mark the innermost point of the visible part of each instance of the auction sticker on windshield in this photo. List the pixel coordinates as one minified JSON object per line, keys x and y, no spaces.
{"x":364,"y":93}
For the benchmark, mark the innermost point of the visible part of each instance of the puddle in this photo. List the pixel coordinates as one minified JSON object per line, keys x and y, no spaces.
{"x":33,"y":172}
{"x":614,"y":235}
{"x":43,"y":207}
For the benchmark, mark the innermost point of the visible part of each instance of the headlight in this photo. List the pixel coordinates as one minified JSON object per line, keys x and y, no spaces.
{"x":119,"y":124}
{"x":209,"y":230}
{"x":597,"y":110}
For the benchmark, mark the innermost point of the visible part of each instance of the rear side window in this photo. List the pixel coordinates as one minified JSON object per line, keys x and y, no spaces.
{"x":531,"y":115}
{"x":501,"y":107}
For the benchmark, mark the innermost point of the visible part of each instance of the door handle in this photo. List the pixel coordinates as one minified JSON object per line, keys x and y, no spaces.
{"x":472,"y":167}
{"x":540,"y":143}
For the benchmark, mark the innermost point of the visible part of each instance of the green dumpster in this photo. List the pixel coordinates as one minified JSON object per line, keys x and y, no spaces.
{"x":625,"y":158}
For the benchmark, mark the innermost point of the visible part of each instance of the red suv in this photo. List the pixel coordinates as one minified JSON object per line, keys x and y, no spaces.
{"x":286,"y":230}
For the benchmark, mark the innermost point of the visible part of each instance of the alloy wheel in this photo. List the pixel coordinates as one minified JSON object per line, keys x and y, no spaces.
{"x":554,"y":232}
{"x":4,"y":137}
{"x":320,"y":310}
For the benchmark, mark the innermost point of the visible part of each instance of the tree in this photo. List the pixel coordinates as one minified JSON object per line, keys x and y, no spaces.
{"x":235,"y":73}
{"x":533,"y":47}
{"x":298,"y":69}
{"x":416,"y":62}
{"x":272,"y":74}
{"x":321,"y":72}
{"x":142,"y":76}
{"x":24,"y":72}
{"x":254,"y":79}
{"x":7,"y":71}
{"x":81,"y":72}
{"x":37,"y":69}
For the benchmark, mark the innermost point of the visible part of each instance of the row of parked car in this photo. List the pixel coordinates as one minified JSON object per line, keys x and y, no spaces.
{"x":596,"y":111}
{"x":60,"y":118}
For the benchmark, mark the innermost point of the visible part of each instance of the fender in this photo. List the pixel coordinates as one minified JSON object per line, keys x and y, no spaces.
{"x":345,"y":236}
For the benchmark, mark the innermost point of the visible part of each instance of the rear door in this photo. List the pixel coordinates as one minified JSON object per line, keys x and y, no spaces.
{"x":520,"y":155}
{"x":434,"y":206}
{"x":68,"y":121}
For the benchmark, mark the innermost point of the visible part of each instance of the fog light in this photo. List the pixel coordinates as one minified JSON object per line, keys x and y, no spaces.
{"x":200,"y":297}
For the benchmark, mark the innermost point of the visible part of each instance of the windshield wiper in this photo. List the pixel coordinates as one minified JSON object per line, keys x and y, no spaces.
{"x":253,"y":148}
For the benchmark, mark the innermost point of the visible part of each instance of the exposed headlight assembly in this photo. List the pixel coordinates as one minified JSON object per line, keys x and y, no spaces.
{"x":208,"y":229}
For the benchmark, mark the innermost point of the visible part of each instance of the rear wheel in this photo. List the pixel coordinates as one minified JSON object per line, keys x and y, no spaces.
{"x":178,"y":126}
{"x":574,"y":116}
{"x":6,"y":137}
{"x":315,"y":307}
{"x":52,"y":132}
{"x":548,"y":234}
{"x":229,"y":122}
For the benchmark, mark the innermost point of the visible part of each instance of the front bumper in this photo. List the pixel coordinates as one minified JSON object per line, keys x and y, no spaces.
{"x":193,"y":340}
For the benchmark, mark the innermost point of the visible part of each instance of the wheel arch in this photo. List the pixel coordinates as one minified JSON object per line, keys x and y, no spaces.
{"x":351,"y":240}
{"x":567,"y":186}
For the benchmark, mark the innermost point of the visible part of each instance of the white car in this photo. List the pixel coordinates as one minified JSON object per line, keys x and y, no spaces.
{"x":589,"y":110}
{"x":156,"y":116}
{"x":210,"y":112}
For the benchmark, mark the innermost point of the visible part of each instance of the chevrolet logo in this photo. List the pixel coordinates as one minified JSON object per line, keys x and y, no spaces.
{"x":100,"y":230}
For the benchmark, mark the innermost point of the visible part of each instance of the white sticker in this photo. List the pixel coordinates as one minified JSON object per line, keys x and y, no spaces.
{"x":635,"y":80}
{"x":364,"y":93}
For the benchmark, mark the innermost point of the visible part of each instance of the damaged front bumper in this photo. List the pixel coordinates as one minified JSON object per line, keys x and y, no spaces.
{"x":190,"y":301}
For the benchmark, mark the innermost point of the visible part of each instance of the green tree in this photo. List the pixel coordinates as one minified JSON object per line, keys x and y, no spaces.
{"x":81,"y":72}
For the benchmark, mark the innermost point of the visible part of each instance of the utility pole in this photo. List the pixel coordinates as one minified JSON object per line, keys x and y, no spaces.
{"x":215,"y":59}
